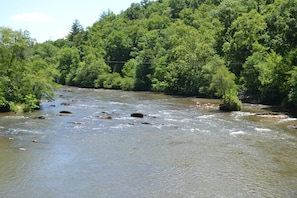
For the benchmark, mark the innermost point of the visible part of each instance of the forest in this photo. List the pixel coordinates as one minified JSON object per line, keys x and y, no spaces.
{"x":236,"y":50}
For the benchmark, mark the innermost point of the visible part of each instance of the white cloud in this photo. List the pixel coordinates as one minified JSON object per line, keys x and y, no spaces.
{"x":31,"y":16}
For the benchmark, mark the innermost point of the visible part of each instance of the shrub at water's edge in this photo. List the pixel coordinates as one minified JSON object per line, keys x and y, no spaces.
{"x":230,"y":103}
{"x":223,"y":82}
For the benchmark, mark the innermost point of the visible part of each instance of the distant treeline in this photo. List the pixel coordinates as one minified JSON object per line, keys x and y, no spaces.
{"x":208,"y":48}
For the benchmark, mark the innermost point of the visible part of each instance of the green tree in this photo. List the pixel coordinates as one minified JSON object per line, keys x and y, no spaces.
{"x":93,"y":64}
{"x":272,"y":75}
{"x":264,"y":76}
{"x":68,"y":61}
{"x":134,"y":11}
{"x":24,"y":80}
{"x":176,"y":6}
{"x":129,"y":73}
{"x":223,"y":82}
{"x":281,"y":17}
{"x":191,"y":52}
{"x":75,"y":30}
{"x":251,"y":72}
{"x":77,"y":37}
{"x":89,"y":71}
{"x":244,"y":32}
{"x":46,"y":51}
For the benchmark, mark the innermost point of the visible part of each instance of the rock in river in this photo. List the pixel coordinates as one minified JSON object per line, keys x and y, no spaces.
{"x":41,"y":117}
{"x":107,"y":117}
{"x":64,"y":113}
{"x":137,"y":115}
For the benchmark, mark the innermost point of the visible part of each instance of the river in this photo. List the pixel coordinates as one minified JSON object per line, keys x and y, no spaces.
{"x":180,"y":148}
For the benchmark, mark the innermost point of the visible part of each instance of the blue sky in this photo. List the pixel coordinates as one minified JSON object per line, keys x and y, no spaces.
{"x":52,"y":19}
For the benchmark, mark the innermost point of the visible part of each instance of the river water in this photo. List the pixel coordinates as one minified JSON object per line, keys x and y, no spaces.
{"x":181,"y":148}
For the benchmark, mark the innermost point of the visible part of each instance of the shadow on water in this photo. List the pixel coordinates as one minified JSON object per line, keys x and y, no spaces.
{"x":282,"y":110}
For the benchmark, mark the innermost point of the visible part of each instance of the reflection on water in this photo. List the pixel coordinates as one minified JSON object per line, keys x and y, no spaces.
{"x":177,"y":150}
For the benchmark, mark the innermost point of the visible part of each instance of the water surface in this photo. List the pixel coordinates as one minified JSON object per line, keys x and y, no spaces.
{"x":181,"y":148}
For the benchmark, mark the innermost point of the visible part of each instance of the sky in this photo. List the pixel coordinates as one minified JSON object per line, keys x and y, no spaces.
{"x":52,"y":19}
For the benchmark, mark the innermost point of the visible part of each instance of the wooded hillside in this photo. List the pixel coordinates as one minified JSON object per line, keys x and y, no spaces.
{"x":209,"y":48}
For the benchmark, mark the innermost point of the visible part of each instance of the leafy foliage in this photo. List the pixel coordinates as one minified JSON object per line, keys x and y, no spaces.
{"x":25,"y":76}
{"x":223,"y":82}
{"x":210,"y":48}
{"x":184,"y":47}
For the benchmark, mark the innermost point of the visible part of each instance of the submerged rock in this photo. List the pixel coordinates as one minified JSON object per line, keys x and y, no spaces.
{"x":293,"y":126}
{"x":146,"y":123}
{"x":107,"y":117}
{"x":77,"y":122}
{"x":206,"y":106}
{"x":41,"y":117}
{"x":68,"y":90}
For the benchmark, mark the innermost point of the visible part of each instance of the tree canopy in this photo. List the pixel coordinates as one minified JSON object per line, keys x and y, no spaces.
{"x":209,"y":48}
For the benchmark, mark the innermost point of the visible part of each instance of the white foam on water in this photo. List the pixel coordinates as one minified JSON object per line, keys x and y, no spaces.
{"x":17,"y":131}
{"x":78,"y":127}
{"x":205,"y":116}
{"x":120,"y":126}
{"x":117,"y":103}
{"x":16,"y":117}
{"x":242,"y":113}
{"x":239,"y":114}
{"x":235,"y":133}
{"x":262,"y":129}
{"x":171,"y":120}
{"x":87,"y":106}
{"x":289,"y":119}
{"x":166,"y":126}
{"x":96,"y":129}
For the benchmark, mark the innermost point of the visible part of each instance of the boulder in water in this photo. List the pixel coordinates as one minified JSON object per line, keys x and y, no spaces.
{"x":64,"y":113}
{"x":137,"y":115}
